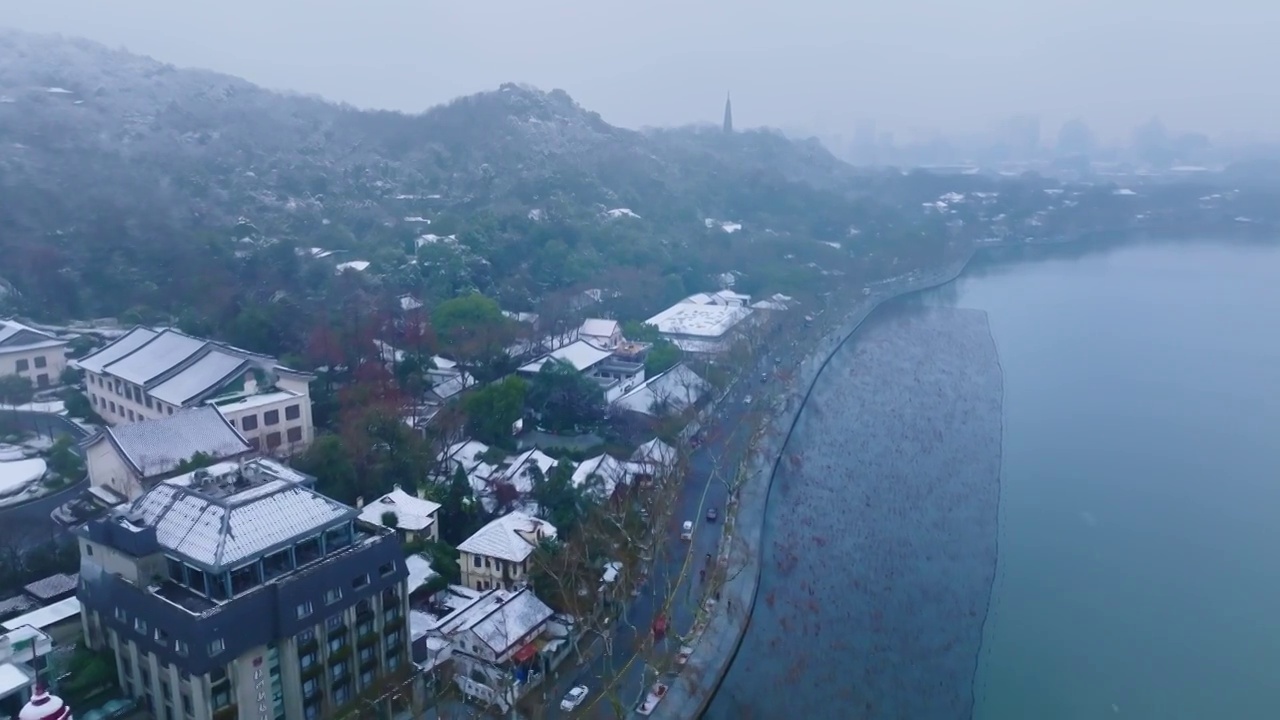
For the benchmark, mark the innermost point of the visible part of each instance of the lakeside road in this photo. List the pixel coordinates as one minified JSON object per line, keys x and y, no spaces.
{"x":621,"y":675}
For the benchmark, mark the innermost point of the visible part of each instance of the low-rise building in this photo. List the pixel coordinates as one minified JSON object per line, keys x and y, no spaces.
{"x":30,"y":353}
{"x":52,"y":589}
{"x":616,"y":377}
{"x":60,"y":621}
{"x":413,"y":518}
{"x":148,"y":374}
{"x":606,"y":334}
{"x":701,"y":328}
{"x":245,"y":597}
{"x":494,"y":645}
{"x":497,"y":555}
{"x":670,"y":393}
{"x":129,"y":459}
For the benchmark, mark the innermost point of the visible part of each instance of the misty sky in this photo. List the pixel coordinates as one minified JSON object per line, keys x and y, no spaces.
{"x":818,"y":65}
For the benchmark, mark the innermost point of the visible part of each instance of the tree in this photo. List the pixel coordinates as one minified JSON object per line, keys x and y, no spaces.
{"x":494,"y":408}
{"x":330,"y":462}
{"x":64,"y":461}
{"x":641,"y":332}
{"x":390,"y":519}
{"x":663,"y":356}
{"x":459,"y":516}
{"x":559,"y":502}
{"x":195,"y":462}
{"x":15,"y":390}
{"x":475,"y":331}
{"x":564,"y":398}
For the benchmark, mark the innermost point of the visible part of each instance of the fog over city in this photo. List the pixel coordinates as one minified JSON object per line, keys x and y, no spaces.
{"x":916,"y":67}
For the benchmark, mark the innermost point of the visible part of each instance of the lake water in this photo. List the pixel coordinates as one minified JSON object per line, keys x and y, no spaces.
{"x":1139,"y":491}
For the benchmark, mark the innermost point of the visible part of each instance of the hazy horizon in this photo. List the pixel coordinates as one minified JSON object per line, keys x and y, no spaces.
{"x":814,"y":65}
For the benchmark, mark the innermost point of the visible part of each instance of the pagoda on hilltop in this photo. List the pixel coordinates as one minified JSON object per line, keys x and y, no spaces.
{"x":44,"y":706}
{"x":728,"y":115}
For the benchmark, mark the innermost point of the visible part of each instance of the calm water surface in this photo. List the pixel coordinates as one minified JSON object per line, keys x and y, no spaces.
{"x":1139,"y":517}
{"x":1137,"y":573}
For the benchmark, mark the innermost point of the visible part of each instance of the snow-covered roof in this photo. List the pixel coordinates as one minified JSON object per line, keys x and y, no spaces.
{"x":601,"y":475}
{"x":356,"y":265}
{"x":52,"y":586}
{"x":511,"y":537}
{"x":581,"y":354}
{"x":218,"y":529}
{"x":14,"y":677}
{"x":656,"y":453}
{"x":15,"y":337}
{"x":215,"y":368}
{"x":698,"y":320}
{"x":162,"y":353}
{"x":45,"y":616}
{"x":499,"y":619}
{"x":520,"y":473}
{"x":672,"y":391}
{"x":156,"y":447}
{"x":597,"y":327}
{"x":122,"y":346}
{"x":420,"y":571}
{"x":412,"y":513}
{"x":256,"y":401}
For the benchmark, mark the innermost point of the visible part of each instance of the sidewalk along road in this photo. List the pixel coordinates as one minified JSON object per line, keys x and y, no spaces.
{"x":618,"y":680}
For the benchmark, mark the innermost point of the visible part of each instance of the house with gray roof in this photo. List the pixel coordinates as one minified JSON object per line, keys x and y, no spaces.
{"x":30,"y":353}
{"x":147,"y":374}
{"x":128,"y":459}
{"x":231,"y":580}
{"x":497,"y":555}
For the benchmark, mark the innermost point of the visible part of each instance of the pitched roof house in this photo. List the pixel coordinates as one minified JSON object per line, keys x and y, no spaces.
{"x":127,"y":459}
{"x":497,"y":555}
{"x":416,"y":518}
{"x":30,"y":353}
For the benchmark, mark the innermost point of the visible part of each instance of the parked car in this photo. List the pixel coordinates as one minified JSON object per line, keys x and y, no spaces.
{"x":686,"y":530}
{"x":575,"y":697}
{"x":712,"y":514}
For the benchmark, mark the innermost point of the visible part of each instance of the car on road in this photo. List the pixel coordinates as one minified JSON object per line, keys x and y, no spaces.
{"x":764,"y":377}
{"x":575,"y":697}
{"x":686,"y":530}
{"x":747,"y":400}
{"x":712,"y":514}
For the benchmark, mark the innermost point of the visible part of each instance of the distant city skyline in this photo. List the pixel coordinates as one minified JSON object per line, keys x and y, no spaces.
{"x":914,"y":66}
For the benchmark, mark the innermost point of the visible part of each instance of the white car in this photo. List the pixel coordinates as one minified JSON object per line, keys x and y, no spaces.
{"x":686,"y":530}
{"x":747,"y":400}
{"x":574,"y":698}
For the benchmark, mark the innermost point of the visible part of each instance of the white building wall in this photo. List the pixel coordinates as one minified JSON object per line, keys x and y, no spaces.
{"x":108,"y":469}
{"x":42,"y":366}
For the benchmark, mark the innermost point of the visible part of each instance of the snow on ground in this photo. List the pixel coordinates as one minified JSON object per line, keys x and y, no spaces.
{"x":17,"y":475}
{"x":1124,"y":191}
{"x":730,"y":227}
{"x":12,"y":452}
{"x":357,"y":265}
{"x":835,"y":245}
{"x":417,"y":219}
{"x":621,"y":212}
{"x":55,"y":407}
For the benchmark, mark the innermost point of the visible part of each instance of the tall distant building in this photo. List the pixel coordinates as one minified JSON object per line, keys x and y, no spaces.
{"x":728,"y":114}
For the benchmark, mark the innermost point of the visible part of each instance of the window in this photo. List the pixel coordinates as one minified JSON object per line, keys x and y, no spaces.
{"x":477,"y":560}
{"x":112,"y":405}
{"x":294,"y":434}
{"x":273,"y":440}
{"x":88,"y":550}
{"x":131,"y":417}
{"x":305,"y":636}
{"x":293,"y":412}
{"x":249,"y":422}
{"x":304,"y":609}
{"x":121,"y":615}
{"x":161,"y":636}
{"x":216,"y":647}
{"x":337,"y":672}
{"x":341,"y":693}
{"x":22,"y":365}
{"x":393,"y":660}
{"x":41,"y":361}
{"x":187,"y":707}
{"x":306,"y":660}
{"x":42,"y":380}
{"x":360,"y":581}
{"x":337,"y":642}
{"x":170,"y":411}
{"x":271,"y":417}
{"x":366,"y":678}
{"x":140,"y":625}
{"x":386,"y":569}
{"x":366,"y":654}
{"x":181,"y":648}
{"x":221,"y":698}
{"x":255,"y":442}
{"x":309,"y":687}
{"x":333,"y":623}
{"x":332,"y":595}
{"x":149,"y":402}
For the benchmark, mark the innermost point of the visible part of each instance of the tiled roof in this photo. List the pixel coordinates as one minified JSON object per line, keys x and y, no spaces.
{"x":16,"y":336}
{"x":16,"y":604}
{"x":580,"y":354}
{"x":655,"y":452}
{"x":412,"y":513}
{"x":498,"y":618}
{"x":678,"y":389}
{"x":52,"y":586}
{"x":502,"y":538}
{"x":123,"y":345}
{"x":198,"y":378}
{"x":601,"y":475}
{"x":520,"y":474}
{"x":216,"y":532}
{"x":596,"y":327}
{"x":155,"y":447}
{"x":162,"y":353}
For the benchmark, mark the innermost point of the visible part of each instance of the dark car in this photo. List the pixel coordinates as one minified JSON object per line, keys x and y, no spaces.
{"x":712,"y":514}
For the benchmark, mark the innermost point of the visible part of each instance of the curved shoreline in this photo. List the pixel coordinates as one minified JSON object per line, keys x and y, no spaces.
{"x":719,"y":646}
